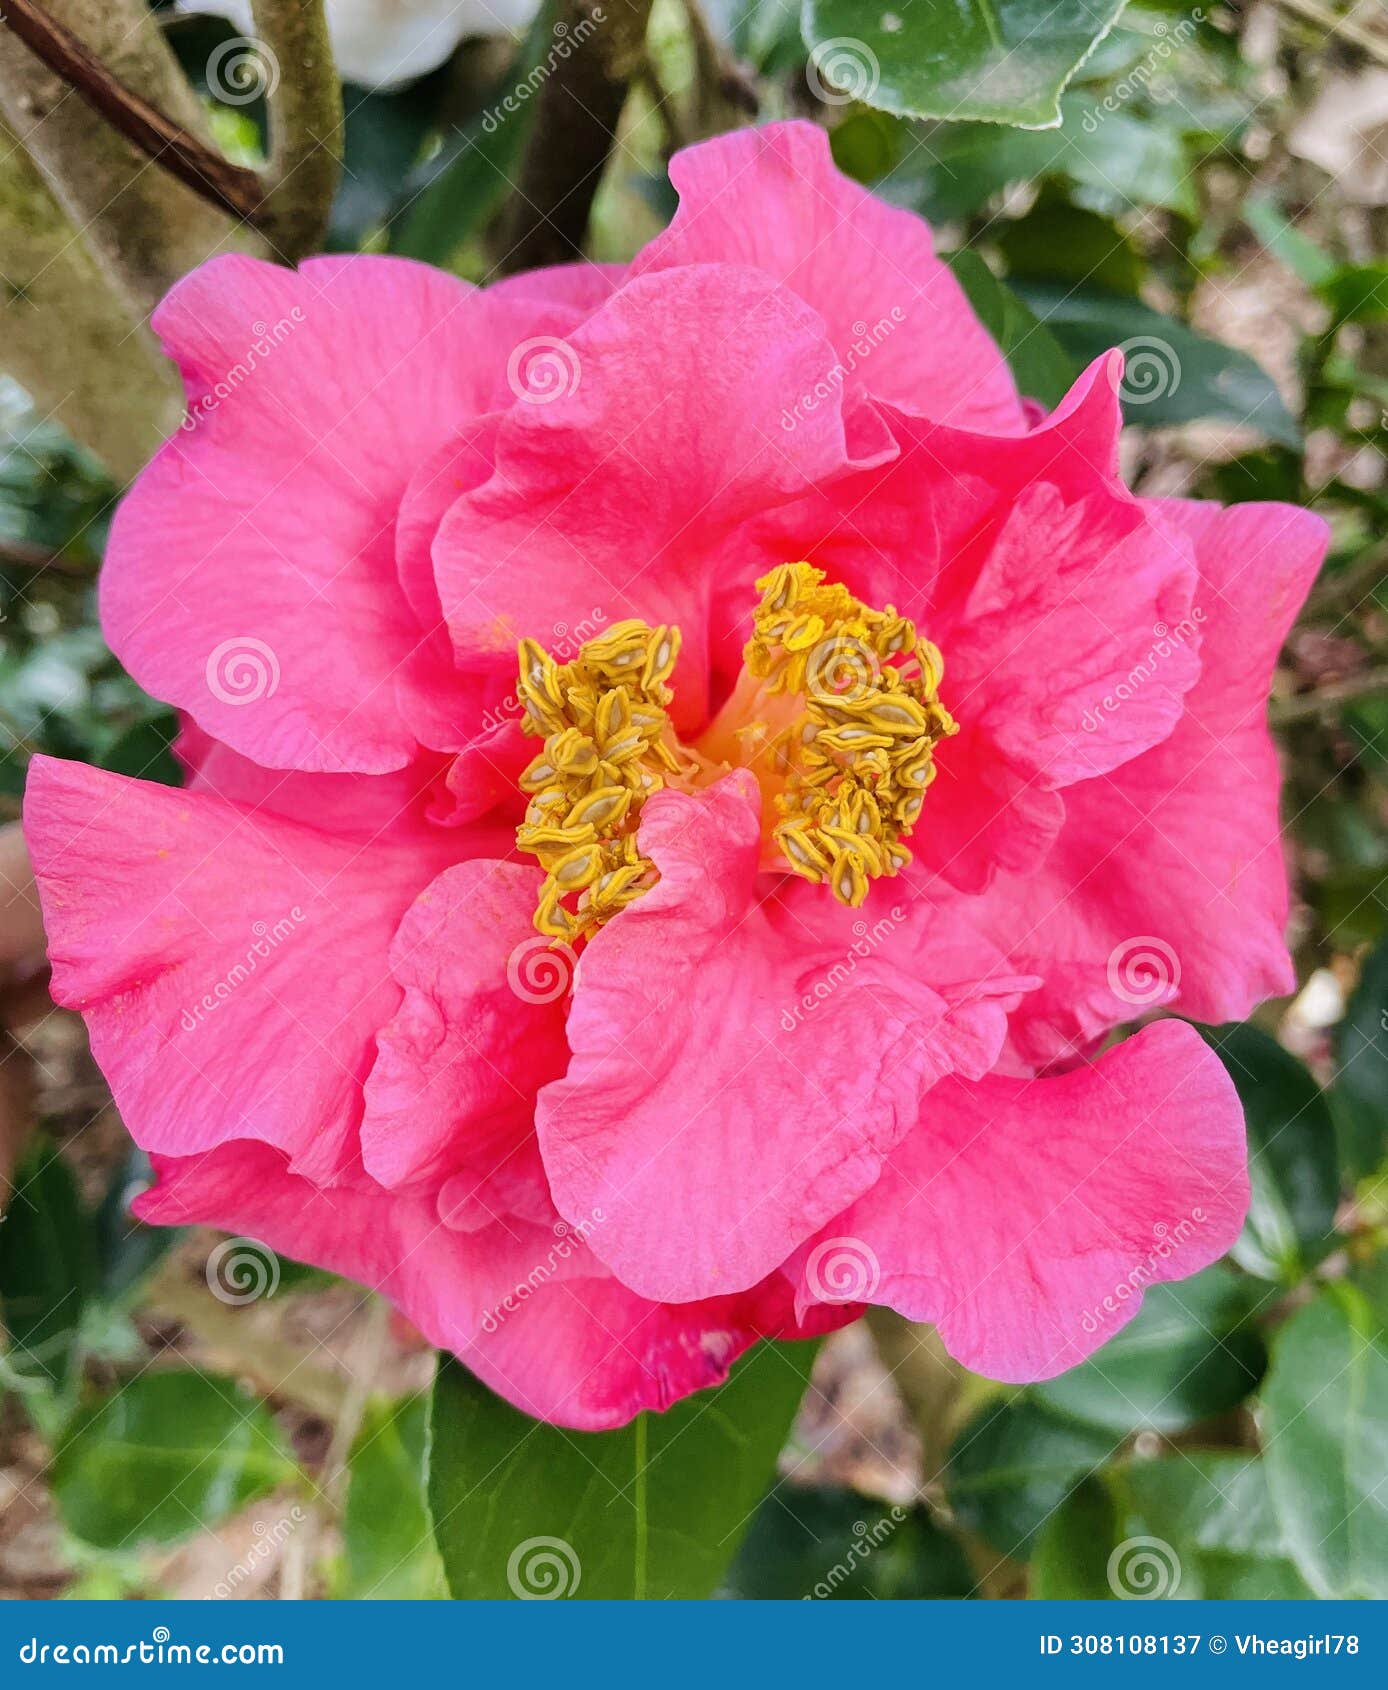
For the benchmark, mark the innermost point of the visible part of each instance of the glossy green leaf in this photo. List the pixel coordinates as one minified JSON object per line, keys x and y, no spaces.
{"x":1005,"y":60}
{"x":1060,"y":242}
{"x":126,"y":1248}
{"x":1190,"y":1353}
{"x":387,"y":1540}
{"x":1215,"y":1529}
{"x":1070,"y":1562}
{"x":162,"y":1456}
{"x":1293,"y":1159}
{"x":1360,"y":1091}
{"x":655,"y":1509}
{"x":47,"y":1270}
{"x":835,"y":1544}
{"x":1174,"y":375}
{"x":1041,"y":369}
{"x":1325,"y":1436}
{"x":1013,"y":1464}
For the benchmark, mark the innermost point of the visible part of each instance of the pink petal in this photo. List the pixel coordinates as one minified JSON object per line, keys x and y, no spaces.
{"x":1024,"y":1218}
{"x":528,"y":1308}
{"x":479,"y":1031}
{"x":231,"y":967}
{"x":1168,"y":883}
{"x":900,"y":324}
{"x":738,"y":1075}
{"x":663,"y":433}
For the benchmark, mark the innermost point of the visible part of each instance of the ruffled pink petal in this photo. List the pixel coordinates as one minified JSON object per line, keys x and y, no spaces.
{"x":1025,"y":1218}
{"x":527,"y":1307}
{"x":738,"y":1074}
{"x":1168,"y":883}
{"x":578,"y":289}
{"x":479,"y":1031}
{"x":231,"y":966}
{"x":900,"y":324}
{"x":610,"y":498}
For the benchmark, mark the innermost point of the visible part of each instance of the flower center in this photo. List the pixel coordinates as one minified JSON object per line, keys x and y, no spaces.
{"x":837,"y":713}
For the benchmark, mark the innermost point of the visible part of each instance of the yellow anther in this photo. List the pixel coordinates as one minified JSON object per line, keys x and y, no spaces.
{"x":859,"y":761}
{"x":608,"y":746}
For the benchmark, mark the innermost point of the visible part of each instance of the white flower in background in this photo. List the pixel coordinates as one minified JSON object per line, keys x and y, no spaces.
{"x":383,"y":43}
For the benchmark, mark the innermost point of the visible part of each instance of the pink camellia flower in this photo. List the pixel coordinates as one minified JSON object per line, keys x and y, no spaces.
{"x":685,"y":770}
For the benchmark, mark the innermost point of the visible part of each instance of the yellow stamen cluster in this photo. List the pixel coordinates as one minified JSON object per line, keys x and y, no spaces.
{"x":608,"y":746}
{"x":858,"y":761}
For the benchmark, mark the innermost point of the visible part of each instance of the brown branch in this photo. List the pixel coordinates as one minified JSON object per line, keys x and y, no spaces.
{"x":230,"y":186}
{"x":306,"y":125}
{"x":575,"y":130}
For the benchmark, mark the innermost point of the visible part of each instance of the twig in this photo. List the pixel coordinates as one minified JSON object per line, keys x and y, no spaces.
{"x":306,"y":129}
{"x":576,"y":122}
{"x":1310,"y":11}
{"x":230,"y":186}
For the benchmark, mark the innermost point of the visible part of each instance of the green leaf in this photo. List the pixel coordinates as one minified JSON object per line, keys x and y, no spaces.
{"x":1006,"y":60}
{"x":1212,"y":1513}
{"x":126,"y":1248}
{"x":1284,"y":240}
{"x":1189,"y":1354}
{"x":1121,"y":161}
{"x":1293,"y":1157}
{"x":1015,"y":1462}
{"x":836,"y":1544}
{"x":1357,"y":293}
{"x":1325,"y":1432}
{"x":478,"y":168}
{"x":1074,"y":1545}
{"x":390,"y":1553}
{"x":1360,"y":1091}
{"x":163,"y":1456}
{"x":1060,"y":242}
{"x":655,"y":1509}
{"x":1174,"y":375}
{"x":1041,"y":369}
{"x":47,"y":1270}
